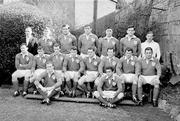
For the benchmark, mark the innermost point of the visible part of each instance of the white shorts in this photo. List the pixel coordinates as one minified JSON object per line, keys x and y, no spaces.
{"x":72,"y":74}
{"x":102,"y":56}
{"x":38,"y":72}
{"x":21,"y":73}
{"x":153,"y":80}
{"x":96,"y":82}
{"x":129,"y":78}
{"x":108,"y":94}
{"x":84,"y":55}
{"x":90,"y":76}
{"x":59,"y":72}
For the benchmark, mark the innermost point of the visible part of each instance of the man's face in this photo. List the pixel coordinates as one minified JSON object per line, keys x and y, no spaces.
{"x":110,"y":53}
{"x":128,"y":54}
{"x":148,"y":54}
{"x":130,"y":31}
{"x":73,"y":52}
{"x":65,"y":30}
{"x":108,"y":32}
{"x":109,"y":72}
{"x":40,"y":52}
{"x":149,"y":37}
{"x":91,"y":53}
{"x":56,"y":49}
{"x":87,"y":30}
{"x":47,"y":32}
{"x":49,"y":67}
{"x":24,"y":49}
{"x":28,"y":32}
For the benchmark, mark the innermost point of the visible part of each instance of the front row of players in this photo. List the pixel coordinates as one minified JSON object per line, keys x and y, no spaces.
{"x":52,"y":74}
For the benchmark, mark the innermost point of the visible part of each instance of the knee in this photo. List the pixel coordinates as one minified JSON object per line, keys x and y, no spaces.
{"x":81,"y":80}
{"x":140,"y":82}
{"x":96,"y":94}
{"x":120,"y":95}
{"x":14,"y":78}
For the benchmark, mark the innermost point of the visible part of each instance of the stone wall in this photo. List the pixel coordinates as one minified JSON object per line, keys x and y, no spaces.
{"x":166,"y":24}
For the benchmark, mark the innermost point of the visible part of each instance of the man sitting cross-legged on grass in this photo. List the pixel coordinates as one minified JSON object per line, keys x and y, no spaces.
{"x":91,"y":73}
{"x":23,"y":63}
{"x":128,"y":71}
{"x":109,"y":89}
{"x":72,"y":67}
{"x":51,"y":82}
{"x":150,"y":71}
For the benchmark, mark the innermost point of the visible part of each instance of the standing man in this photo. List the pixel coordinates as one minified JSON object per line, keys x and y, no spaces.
{"x":87,"y":40}
{"x":108,"y":42}
{"x":73,"y":67}
{"x":149,"y":71}
{"x":128,"y":71}
{"x":66,"y":40}
{"x":23,"y":63}
{"x":151,"y":43}
{"x":109,"y":89}
{"x":47,"y":41}
{"x":91,"y":73}
{"x":57,"y":59}
{"x":51,"y":83}
{"x":131,"y":41}
{"x":31,"y":41}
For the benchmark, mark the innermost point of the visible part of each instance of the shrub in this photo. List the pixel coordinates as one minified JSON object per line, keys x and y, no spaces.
{"x":15,"y":18}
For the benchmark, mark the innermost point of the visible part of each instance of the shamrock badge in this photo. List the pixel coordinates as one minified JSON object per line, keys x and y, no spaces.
{"x":44,"y":60}
{"x":114,"y":83}
{"x":53,"y":76}
{"x":50,"y":43}
{"x":133,"y":63}
{"x":113,"y":43}
{"x":77,"y":60}
{"x":113,"y":63}
{"x":153,"y":63}
{"x":95,"y":63}
{"x":27,"y":58}
{"x":93,"y":39}
{"x":70,"y":40}
{"x":135,"y":42}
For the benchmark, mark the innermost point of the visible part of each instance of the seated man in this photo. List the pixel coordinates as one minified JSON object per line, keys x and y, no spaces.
{"x":57,"y":58}
{"x":72,"y":67}
{"x":23,"y":63}
{"x":91,"y":64}
{"x":51,"y":83}
{"x":109,"y":89}
{"x":110,"y":60}
{"x":150,"y":71}
{"x":39,"y":64}
{"x":127,"y":70}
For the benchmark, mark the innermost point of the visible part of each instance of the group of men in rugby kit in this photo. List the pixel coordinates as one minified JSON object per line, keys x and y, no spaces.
{"x":98,"y":68}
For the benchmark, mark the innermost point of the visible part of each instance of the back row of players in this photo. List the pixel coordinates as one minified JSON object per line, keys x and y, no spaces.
{"x":56,"y":62}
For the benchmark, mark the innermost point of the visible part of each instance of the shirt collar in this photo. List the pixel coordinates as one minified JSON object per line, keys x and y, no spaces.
{"x":129,"y":59}
{"x":42,"y":55}
{"x":110,"y":58}
{"x":88,"y":34}
{"x":24,"y":54}
{"x":94,"y":57}
{"x":108,"y":37}
{"x":75,"y":56}
{"x":149,"y":42}
{"x":151,"y":59}
{"x":133,"y":37}
{"x":50,"y":74}
{"x":113,"y":77}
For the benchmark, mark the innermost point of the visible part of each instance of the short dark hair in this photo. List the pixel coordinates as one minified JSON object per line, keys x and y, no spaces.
{"x":92,"y":48}
{"x":130,"y":26}
{"x":149,"y":32}
{"x":148,"y":48}
{"x":87,"y":25}
{"x":73,"y":48}
{"x":110,"y":48}
{"x":23,"y":44}
{"x":56,"y":45}
{"x":40,"y":48}
{"x":110,"y":68}
{"x":65,"y":25}
{"x":129,"y":49}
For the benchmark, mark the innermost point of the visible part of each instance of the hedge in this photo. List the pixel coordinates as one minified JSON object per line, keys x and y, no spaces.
{"x":15,"y":18}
